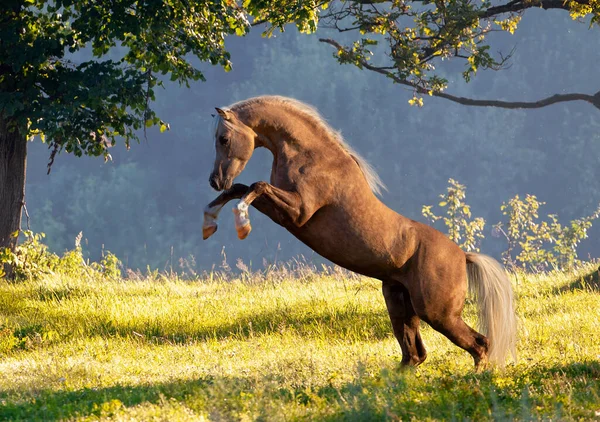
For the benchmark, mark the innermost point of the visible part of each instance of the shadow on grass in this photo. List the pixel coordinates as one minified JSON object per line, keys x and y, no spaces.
{"x":390,"y":395}
{"x":403,"y":395}
{"x":588,"y":282}
{"x":348,"y":323}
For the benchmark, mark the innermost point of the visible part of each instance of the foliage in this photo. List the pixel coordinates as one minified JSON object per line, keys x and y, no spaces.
{"x":464,"y":231}
{"x":524,"y":231}
{"x":278,"y":13}
{"x":109,"y":265}
{"x":317,"y":347}
{"x":531,"y":244}
{"x":32,"y":260}
{"x":419,"y":36}
{"x":567,"y":238}
{"x":84,"y":107}
{"x":530,"y":240}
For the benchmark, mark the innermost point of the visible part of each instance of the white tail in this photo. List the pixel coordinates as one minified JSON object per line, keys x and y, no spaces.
{"x":490,"y":285}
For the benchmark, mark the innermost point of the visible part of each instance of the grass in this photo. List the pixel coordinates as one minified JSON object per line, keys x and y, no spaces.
{"x":287,"y":346}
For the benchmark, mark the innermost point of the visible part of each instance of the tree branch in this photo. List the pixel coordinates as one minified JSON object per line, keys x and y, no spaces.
{"x":511,"y":6}
{"x":518,"y":5}
{"x":557,"y":98}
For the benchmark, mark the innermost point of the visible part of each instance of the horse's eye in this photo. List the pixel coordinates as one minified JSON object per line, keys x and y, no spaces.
{"x":223,"y":140}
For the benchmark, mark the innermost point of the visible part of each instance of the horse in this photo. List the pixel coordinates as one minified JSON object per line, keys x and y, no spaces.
{"x":325,"y":194}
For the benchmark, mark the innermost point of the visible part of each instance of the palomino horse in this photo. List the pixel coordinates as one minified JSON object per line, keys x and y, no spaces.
{"x":323,"y":193}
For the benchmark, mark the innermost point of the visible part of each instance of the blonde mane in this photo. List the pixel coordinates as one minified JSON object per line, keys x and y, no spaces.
{"x":373,"y":179}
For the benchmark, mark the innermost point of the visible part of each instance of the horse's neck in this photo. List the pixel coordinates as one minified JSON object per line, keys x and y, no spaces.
{"x":286,"y":135}
{"x":280,"y":131}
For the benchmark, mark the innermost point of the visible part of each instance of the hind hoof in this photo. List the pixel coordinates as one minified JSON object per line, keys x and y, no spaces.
{"x":482,"y":365}
{"x":208,"y":231}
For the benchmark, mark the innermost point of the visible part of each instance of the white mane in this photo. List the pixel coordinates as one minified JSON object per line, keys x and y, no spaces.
{"x":373,"y":179}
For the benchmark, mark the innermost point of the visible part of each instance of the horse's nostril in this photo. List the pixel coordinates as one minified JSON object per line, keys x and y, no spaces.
{"x":213,"y":183}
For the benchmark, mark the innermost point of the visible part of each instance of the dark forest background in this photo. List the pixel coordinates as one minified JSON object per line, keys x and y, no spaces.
{"x":146,"y":204}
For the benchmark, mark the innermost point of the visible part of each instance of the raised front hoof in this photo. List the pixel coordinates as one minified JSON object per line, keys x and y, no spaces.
{"x":242,"y":222}
{"x":208,"y":231}
{"x":244,"y":231}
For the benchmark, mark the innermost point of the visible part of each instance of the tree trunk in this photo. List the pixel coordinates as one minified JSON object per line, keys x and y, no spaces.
{"x":13,"y":155}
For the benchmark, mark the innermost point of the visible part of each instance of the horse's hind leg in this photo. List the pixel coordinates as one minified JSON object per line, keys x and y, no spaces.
{"x":441,"y":305}
{"x":405,"y":324}
{"x":466,"y":338}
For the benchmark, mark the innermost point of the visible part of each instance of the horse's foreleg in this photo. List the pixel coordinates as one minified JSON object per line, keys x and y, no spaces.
{"x":211,"y":211}
{"x":281,"y":206}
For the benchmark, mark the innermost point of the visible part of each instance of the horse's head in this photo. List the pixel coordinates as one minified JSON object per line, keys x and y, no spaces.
{"x":234,"y":143}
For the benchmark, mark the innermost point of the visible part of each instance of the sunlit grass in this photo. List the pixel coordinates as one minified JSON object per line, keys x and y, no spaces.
{"x":281,"y":347}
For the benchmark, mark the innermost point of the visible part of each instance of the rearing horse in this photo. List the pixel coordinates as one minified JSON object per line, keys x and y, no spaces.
{"x":324,"y":194}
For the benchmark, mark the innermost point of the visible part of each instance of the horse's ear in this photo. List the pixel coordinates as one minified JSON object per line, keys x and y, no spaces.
{"x":225,"y":114}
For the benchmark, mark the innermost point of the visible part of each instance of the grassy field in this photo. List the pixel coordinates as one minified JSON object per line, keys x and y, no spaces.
{"x":285,"y":346}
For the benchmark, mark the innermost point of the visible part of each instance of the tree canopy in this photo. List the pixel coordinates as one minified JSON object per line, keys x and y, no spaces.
{"x":420,"y":35}
{"x":83,"y":107}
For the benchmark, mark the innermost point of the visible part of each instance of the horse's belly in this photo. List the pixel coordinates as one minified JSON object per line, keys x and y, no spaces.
{"x":365,"y":248}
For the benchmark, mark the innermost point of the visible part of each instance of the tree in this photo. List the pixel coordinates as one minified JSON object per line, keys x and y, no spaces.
{"x":419,"y":35}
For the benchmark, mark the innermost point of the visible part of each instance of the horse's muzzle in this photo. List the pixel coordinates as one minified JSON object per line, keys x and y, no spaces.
{"x":213,"y":182}
{"x":219,"y":183}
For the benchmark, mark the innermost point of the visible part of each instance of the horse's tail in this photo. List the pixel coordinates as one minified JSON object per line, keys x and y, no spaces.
{"x":490,"y":285}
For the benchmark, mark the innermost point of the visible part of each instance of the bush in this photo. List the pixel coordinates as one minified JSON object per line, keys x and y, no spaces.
{"x":532,"y":244}
{"x":32,"y":260}
{"x":537,"y":244}
{"x":464,"y":231}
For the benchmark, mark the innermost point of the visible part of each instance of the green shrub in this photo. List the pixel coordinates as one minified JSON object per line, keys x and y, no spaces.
{"x":32,"y":260}
{"x":466,"y":232}
{"x":537,"y":244}
{"x":532,"y":244}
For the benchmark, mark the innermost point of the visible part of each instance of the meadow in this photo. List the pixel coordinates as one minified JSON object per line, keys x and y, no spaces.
{"x":290,"y":343}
